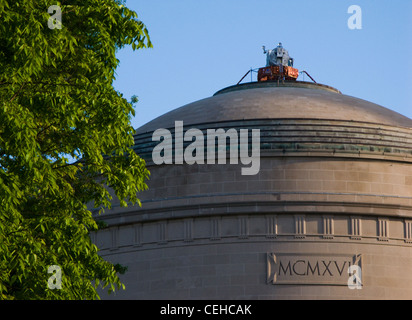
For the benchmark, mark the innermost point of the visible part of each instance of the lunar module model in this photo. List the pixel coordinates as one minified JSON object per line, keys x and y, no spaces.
{"x":279,"y":65}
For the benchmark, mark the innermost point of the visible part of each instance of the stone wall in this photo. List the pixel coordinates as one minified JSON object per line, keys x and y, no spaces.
{"x":205,"y":231}
{"x":236,"y":267}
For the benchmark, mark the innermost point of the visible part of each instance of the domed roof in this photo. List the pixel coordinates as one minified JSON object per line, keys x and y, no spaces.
{"x":272,"y":100}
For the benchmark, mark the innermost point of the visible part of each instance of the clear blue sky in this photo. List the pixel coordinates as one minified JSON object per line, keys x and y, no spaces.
{"x":201,"y":46}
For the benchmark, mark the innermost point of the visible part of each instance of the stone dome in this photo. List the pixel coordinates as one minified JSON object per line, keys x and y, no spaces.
{"x":293,"y":116}
{"x":270,"y":100}
{"x":333,"y":191}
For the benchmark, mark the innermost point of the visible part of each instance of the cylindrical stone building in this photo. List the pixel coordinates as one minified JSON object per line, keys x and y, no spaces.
{"x":328,"y":215}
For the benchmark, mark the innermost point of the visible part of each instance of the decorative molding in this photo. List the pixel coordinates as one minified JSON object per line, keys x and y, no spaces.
{"x":408,"y":231}
{"x":188,"y":230}
{"x":355,"y":228}
{"x":199,"y":205}
{"x":300,"y":227}
{"x":258,"y":227}
{"x":137,"y":228}
{"x":271,"y":226}
{"x":328,"y":227}
{"x":383,"y":229}
{"x":115,"y":238}
{"x":162,"y":231}
{"x":243,"y":227}
{"x":215,"y":229}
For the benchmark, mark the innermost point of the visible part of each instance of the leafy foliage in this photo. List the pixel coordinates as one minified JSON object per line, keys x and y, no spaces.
{"x":65,"y":135}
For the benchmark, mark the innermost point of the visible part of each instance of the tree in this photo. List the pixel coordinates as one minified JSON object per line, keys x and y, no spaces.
{"x":65,"y":136}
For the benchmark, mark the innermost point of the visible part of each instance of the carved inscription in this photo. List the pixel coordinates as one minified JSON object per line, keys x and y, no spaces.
{"x":310,"y":268}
